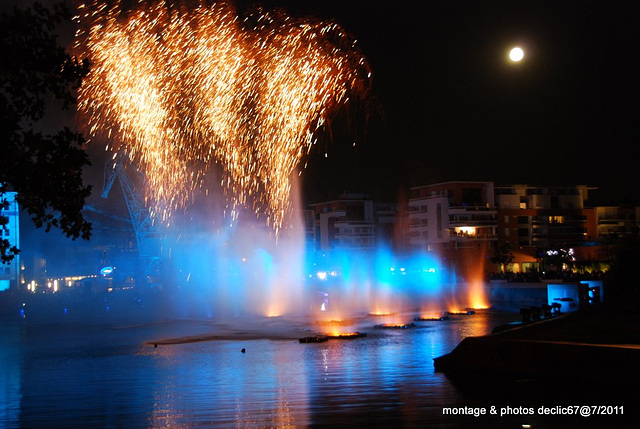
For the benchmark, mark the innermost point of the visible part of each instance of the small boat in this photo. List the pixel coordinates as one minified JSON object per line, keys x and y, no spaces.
{"x":347,"y":336}
{"x":460,"y":313}
{"x":314,"y":339}
{"x":395,"y":326}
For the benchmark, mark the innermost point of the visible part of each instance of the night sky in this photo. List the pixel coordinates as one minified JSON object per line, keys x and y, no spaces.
{"x":454,"y":107}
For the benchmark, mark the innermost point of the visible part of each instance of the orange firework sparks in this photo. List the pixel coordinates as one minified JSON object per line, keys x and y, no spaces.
{"x":178,"y":87}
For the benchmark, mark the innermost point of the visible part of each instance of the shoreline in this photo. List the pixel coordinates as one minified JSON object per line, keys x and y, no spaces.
{"x":599,"y":345}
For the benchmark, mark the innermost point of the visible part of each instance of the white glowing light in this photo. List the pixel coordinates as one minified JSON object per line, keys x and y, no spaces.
{"x":516,"y":54}
{"x":468,"y":230}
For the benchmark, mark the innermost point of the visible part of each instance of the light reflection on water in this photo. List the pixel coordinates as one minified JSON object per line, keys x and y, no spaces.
{"x":71,"y":376}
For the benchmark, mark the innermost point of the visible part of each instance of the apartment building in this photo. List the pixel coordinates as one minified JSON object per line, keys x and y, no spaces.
{"x":353,"y":221}
{"x":532,"y":219}
{"x":455,"y":220}
{"x":10,"y":272}
{"x":617,"y":222}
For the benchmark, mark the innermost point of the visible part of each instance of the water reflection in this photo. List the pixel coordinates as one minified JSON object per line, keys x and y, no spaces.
{"x":10,"y":374}
{"x":214,"y":382}
{"x":99,"y":376}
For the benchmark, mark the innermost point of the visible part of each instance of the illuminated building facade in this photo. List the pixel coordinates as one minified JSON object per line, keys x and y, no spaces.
{"x":353,"y":221}
{"x":532,"y":219}
{"x":617,"y":222}
{"x":456,"y":220}
{"x":10,"y":273}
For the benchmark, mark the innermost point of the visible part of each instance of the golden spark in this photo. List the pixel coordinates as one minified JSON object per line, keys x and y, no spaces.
{"x":180,"y":87}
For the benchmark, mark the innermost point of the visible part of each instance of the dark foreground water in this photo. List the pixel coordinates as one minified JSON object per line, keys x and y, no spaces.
{"x":112,"y":376}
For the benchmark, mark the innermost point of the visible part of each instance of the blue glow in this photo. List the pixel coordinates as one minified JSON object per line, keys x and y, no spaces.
{"x":366,"y":280}
{"x":106,"y":271}
{"x":232,"y":272}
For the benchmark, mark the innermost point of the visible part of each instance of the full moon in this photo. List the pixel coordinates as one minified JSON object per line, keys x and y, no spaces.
{"x":516,"y":54}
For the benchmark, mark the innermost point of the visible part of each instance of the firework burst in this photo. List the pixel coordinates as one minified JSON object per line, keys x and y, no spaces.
{"x":180,"y":87}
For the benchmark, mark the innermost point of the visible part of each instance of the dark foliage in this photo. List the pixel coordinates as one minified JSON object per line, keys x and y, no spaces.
{"x":502,"y":255}
{"x":37,"y":74}
{"x":623,"y":274}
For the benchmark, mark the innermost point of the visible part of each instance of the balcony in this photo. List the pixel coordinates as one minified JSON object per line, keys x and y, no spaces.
{"x":473,"y":223}
{"x":472,"y":209}
{"x":477,"y":237}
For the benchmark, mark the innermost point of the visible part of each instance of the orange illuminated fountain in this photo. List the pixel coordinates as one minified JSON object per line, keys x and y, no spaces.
{"x":431,"y":311}
{"x":336,"y":322}
{"x":477,"y":296}
{"x":334,"y":329}
{"x":337,"y":329}
{"x":381,"y":314}
{"x":334,"y":333}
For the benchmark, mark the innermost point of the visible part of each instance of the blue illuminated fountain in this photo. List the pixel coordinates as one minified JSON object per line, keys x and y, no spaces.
{"x":242,"y":271}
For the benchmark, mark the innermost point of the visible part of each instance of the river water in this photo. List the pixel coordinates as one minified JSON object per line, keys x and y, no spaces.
{"x":162,"y":375}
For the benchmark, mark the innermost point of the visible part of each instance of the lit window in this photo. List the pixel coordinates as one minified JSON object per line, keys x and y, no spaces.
{"x":466,"y":231}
